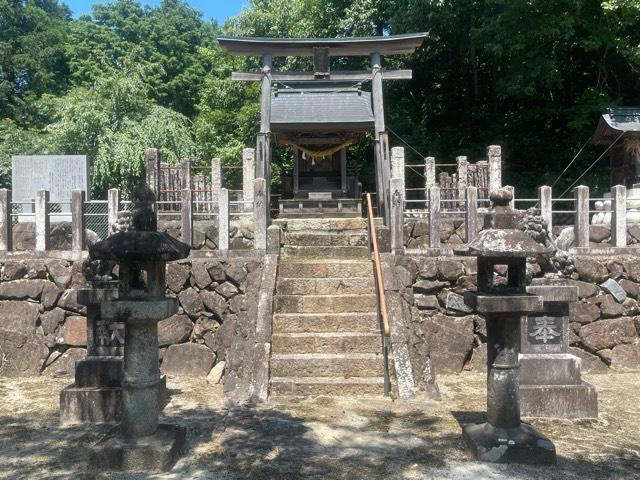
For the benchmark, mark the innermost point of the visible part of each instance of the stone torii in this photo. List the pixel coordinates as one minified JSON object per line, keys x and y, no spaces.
{"x":321,"y":50}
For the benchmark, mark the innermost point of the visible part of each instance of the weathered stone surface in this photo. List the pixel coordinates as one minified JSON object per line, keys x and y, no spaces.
{"x":632,"y":268}
{"x":60,"y":272}
{"x":456,"y":303}
{"x":191,"y":302}
{"x":175,"y":329}
{"x":200,"y":275}
{"x":400,"y":275}
{"x":598,"y":233}
{"x":188,"y":359}
{"x":203,"y":325}
{"x":177,"y":276}
{"x":22,"y":289}
{"x":19,"y":317}
{"x":615,"y":270}
{"x":216,"y":271}
{"x":605,"y":354}
{"x":478,"y":362}
{"x":214,"y":302}
{"x":590,"y":270}
{"x":73,"y":332}
{"x":428,"y":302}
{"x":236,"y":273}
{"x":584,"y":313}
{"x":51,"y":293}
{"x":450,"y":269}
{"x":51,"y":319}
{"x":480,"y":326}
{"x":13,"y":270}
{"x":615,"y":290}
{"x":429,"y":286}
{"x":610,"y":308}
{"x":215,"y":375}
{"x":428,"y":269}
{"x":590,"y":363}
{"x":65,"y":364}
{"x":452,"y":339}
{"x":626,"y":357}
{"x":608,"y":333}
{"x":227,"y":289}
{"x":69,"y":301}
{"x":21,"y":355}
{"x":632,"y":288}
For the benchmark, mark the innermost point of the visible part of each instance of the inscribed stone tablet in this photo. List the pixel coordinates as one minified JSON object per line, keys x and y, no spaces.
{"x":57,"y":173}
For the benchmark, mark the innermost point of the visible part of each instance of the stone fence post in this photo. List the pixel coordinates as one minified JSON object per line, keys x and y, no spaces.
{"x":6,"y":225}
{"x":185,"y":167}
{"x":42,"y":220}
{"x":113,"y":207}
{"x":494,"y":157}
{"x":581,"y":222}
{"x":260,"y":214}
{"x":471,"y":214}
{"x":397,"y":166}
{"x":511,"y":190}
{"x":248,"y":175}
{"x":216,"y":181}
{"x":186,"y":216}
{"x":396,"y":226}
{"x":78,"y":198}
{"x":619,"y":216}
{"x":434,"y":217}
{"x":545,"y":199}
{"x":223,"y":219}
{"x":152,"y":161}
{"x":463,"y":178}
{"x":429,"y":174}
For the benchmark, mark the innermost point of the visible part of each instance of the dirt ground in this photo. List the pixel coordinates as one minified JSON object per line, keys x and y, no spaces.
{"x":324,"y":437}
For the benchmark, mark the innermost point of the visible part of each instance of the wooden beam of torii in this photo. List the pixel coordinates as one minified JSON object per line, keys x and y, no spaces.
{"x":322,"y":49}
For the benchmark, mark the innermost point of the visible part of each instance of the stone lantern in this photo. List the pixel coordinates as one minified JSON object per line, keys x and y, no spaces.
{"x":504,"y":438}
{"x":141,"y":254}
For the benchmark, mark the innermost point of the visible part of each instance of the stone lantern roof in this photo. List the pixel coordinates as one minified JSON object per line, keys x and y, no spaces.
{"x":139,"y":246}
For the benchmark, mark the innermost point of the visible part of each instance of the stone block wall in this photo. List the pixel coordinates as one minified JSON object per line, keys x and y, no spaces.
{"x":452,"y":232}
{"x":205,"y":233}
{"x":605,"y":323}
{"x":43,"y":328}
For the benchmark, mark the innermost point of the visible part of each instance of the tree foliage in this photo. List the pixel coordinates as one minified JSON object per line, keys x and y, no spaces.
{"x":532,"y":76}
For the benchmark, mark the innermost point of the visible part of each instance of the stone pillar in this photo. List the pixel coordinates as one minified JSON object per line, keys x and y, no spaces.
{"x":429,"y":173}
{"x":396,"y":226}
{"x":397,"y":166}
{"x":6,"y":222}
{"x":216,"y":182}
{"x":113,"y":207}
{"x":186,"y":216}
{"x":546,"y":206}
{"x":223,"y":219}
{"x":77,"y":220}
{"x":463,"y":176}
{"x":260,"y":214}
{"x":581,"y":222}
{"x":619,"y":216}
{"x":152,"y":161}
{"x":434,"y":217}
{"x":248,"y":175}
{"x":273,"y":239}
{"x":550,"y":382}
{"x":42,"y":220}
{"x":471,"y":214}
{"x":494,"y":158}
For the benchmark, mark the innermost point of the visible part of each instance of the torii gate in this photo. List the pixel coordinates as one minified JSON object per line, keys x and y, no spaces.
{"x":322,"y":49}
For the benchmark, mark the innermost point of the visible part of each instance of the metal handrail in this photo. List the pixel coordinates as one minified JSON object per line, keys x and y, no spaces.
{"x":376,"y":260}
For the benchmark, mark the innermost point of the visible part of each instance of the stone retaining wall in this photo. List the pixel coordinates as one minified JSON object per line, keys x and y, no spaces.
{"x":43,"y":328}
{"x":605,"y":323}
{"x":205,"y":233}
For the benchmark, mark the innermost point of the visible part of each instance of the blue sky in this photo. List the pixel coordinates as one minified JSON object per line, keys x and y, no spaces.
{"x":218,"y":9}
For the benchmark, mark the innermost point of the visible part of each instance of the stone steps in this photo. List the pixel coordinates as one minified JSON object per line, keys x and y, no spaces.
{"x":352,"y":342}
{"x":325,"y":239}
{"x":324,"y":286}
{"x":348,"y":225}
{"x":365,"y":303}
{"x":305,"y":386}
{"x":333,"y":365}
{"x":324,"y":252}
{"x":299,"y":268}
{"x":325,"y":323}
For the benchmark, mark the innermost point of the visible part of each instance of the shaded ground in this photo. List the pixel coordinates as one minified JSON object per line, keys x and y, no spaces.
{"x":324,"y":437}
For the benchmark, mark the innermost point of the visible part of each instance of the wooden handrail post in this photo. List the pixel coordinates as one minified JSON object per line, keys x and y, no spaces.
{"x":376,"y":260}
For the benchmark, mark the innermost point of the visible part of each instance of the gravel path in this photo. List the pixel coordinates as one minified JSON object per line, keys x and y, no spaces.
{"x":324,"y":438}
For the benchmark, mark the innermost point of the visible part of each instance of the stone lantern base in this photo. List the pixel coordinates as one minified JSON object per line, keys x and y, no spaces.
{"x":515,"y":445}
{"x":154,"y":453}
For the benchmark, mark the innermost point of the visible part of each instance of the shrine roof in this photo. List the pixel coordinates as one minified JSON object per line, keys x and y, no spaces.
{"x":346,"y":46}
{"x":321,"y":109}
{"x":616,"y":121}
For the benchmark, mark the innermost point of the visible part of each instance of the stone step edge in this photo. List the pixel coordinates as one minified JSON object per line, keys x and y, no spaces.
{"x":328,"y":295}
{"x":281,"y":278}
{"x":329,"y":380}
{"x":311,"y":314}
{"x":325,"y":334}
{"x":326,"y":356}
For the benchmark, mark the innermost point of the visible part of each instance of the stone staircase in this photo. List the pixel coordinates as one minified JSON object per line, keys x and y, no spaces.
{"x":326,"y":339}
